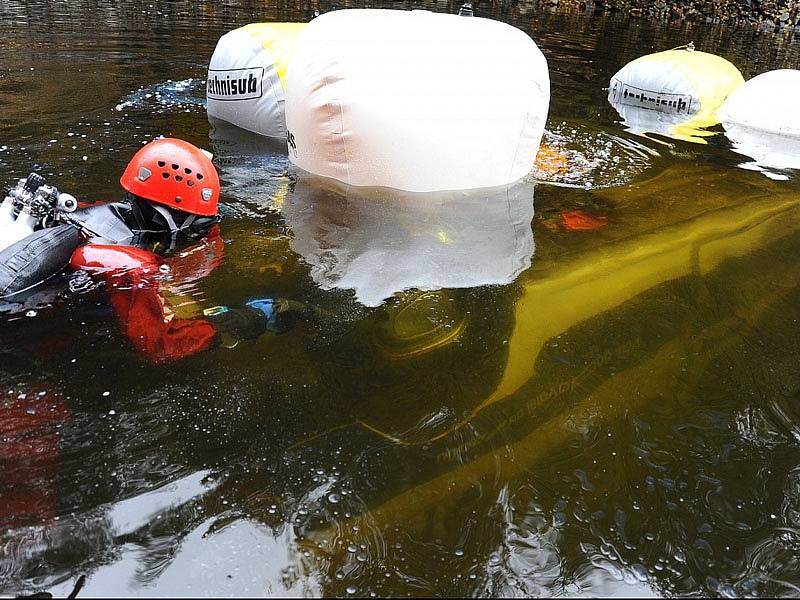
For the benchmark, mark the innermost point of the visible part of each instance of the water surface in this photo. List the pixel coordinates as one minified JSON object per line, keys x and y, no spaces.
{"x":605,"y":404}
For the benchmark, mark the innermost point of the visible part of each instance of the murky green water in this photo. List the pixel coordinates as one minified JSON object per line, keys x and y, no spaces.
{"x":621,"y":419}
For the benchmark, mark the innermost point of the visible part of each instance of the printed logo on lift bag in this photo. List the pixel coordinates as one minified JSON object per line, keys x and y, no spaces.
{"x":235,"y":84}
{"x":624,"y":93}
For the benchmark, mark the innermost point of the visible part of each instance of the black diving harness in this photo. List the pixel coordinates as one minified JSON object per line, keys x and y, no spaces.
{"x":127,"y":222}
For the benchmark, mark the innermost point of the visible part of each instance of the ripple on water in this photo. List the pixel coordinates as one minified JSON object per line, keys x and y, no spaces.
{"x":578,"y":155}
{"x":166,"y":96}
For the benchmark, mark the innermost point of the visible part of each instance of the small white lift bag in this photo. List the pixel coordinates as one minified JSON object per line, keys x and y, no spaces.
{"x":675,"y":93}
{"x":415,"y":100}
{"x":247,"y":76}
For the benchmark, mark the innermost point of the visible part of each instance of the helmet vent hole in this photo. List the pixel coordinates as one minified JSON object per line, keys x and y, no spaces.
{"x":165,"y":175}
{"x":188,"y":171}
{"x":161,"y":163}
{"x":175,"y":167}
{"x":178,"y":178}
{"x":200,"y":176}
{"x":189,"y":182}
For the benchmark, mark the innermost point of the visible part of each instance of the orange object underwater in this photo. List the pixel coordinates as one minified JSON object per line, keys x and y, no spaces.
{"x":578,"y":220}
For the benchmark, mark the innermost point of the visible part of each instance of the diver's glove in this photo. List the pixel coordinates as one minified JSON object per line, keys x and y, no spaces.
{"x":281,"y":315}
{"x":255,"y":318}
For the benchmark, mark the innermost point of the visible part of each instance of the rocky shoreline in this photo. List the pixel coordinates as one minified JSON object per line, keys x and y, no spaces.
{"x":771,"y":15}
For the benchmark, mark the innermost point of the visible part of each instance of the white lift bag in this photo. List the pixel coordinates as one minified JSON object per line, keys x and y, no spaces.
{"x":415,"y":100}
{"x":676,"y":93}
{"x":247,"y":77}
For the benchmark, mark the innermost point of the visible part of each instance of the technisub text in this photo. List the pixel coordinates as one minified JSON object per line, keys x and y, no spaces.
{"x":624,"y":93}
{"x":235,"y":84}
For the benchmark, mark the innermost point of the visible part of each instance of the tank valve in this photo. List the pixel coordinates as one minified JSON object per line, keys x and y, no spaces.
{"x":66,"y":202}
{"x":33,"y":182}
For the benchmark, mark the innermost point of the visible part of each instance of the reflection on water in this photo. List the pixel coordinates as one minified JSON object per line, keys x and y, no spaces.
{"x":771,"y":153}
{"x":643,"y":121}
{"x":614,"y":415}
{"x":254,"y":168}
{"x":378,"y":241}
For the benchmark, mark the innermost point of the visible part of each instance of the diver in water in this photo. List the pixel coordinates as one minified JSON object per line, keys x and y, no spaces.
{"x":171,"y":202}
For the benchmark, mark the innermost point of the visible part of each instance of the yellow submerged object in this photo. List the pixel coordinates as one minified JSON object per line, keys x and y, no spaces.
{"x":566,"y":290}
{"x":541,"y":404}
{"x":676,"y":93}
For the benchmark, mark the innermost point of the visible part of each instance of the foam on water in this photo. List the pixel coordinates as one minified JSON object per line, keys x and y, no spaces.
{"x":165,"y":96}
{"x":576,"y":155}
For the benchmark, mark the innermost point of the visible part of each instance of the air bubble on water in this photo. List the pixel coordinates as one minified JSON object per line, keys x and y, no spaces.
{"x":334,"y":498}
{"x":31,"y":313}
{"x":640,"y":572}
{"x":352,"y":548}
{"x":112,"y":412}
{"x":351,"y":589}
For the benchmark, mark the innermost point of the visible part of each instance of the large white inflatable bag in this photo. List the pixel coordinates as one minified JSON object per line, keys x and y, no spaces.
{"x":415,"y":101}
{"x":676,"y":92}
{"x":247,"y":77}
{"x":762,"y":119}
{"x":378,"y":242}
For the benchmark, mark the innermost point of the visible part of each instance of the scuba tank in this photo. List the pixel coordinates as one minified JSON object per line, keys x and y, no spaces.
{"x":36,"y":241}
{"x":15,"y":199}
{"x":21,"y":228}
{"x":6,"y":212}
{"x":29,"y":206}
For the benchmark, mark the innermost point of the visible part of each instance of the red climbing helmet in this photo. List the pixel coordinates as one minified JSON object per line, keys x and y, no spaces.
{"x":174,"y":173}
